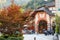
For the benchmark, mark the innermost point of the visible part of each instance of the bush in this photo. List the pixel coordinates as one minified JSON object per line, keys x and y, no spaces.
{"x":11,"y":37}
{"x":57,"y":20}
{"x":57,"y":28}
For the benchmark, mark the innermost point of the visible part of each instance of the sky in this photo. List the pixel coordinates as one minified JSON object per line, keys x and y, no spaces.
{"x":8,"y":2}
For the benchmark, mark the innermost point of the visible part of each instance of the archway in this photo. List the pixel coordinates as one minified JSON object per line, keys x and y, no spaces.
{"x":42,"y":25}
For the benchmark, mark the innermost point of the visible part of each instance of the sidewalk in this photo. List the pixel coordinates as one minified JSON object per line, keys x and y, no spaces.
{"x":38,"y":37}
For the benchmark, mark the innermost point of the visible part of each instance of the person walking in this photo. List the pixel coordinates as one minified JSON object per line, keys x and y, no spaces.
{"x":53,"y":26}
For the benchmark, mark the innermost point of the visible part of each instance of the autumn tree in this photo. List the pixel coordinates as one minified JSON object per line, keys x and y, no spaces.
{"x":12,"y":16}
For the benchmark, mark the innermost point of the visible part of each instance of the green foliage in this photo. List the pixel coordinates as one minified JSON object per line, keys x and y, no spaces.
{"x":57,"y":19}
{"x":36,"y":3}
{"x":11,"y":37}
{"x":57,"y":28}
{"x":57,"y":23}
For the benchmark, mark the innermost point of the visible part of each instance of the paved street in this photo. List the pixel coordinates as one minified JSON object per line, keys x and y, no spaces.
{"x":38,"y":37}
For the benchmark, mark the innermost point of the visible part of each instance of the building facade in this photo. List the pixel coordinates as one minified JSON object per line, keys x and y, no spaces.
{"x":42,"y":19}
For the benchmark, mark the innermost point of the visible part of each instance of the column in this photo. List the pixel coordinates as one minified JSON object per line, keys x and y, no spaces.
{"x":36,"y":24}
{"x":48,"y":22}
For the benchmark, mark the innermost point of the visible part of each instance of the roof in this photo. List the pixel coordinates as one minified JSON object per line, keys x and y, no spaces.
{"x":45,"y":9}
{"x":50,"y":4}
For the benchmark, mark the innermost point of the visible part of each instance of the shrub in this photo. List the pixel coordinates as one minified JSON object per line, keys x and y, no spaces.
{"x":11,"y":37}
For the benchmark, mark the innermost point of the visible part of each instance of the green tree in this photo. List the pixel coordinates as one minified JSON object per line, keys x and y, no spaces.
{"x":57,"y":23}
{"x":36,"y":3}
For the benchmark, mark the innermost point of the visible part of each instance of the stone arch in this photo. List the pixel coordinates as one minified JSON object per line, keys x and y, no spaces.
{"x":42,"y":25}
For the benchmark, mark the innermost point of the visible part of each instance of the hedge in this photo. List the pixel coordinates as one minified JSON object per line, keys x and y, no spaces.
{"x":11,"y":38}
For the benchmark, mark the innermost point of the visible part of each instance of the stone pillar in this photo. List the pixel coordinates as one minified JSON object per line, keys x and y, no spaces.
{"x":51,"y":23}
{"x":48,"y":27}
{"x":36,"y":28}
{"x":36,"y":24}
{"x":48,"y":22}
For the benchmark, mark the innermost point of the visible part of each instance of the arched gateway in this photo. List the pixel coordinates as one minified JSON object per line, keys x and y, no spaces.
{"x":42,"y":25}
{"x":43,"y":19}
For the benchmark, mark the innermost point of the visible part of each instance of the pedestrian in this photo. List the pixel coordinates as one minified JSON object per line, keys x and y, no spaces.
{"x":45,"y":32}
{"x":33,"y":31}
{"x":53,"y":26}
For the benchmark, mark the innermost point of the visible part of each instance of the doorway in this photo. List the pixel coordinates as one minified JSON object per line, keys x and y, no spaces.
{"x":42,"y":25}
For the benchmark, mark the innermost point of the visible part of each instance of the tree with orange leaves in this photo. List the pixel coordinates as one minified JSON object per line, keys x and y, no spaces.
{"x":12,"y":14}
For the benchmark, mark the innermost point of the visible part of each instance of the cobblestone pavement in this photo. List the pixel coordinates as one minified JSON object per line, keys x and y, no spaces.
{"x":38,"y":37}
